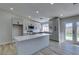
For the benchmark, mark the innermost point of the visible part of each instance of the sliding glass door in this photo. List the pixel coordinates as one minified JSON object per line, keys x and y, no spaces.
{"x":77,"y":31}
{"x":69,"y":31}
{"x":72,"y":31}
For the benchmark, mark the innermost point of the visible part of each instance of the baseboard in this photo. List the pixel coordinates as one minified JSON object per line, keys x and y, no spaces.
{"x":54,"y":40}
{"x":6,"y":43}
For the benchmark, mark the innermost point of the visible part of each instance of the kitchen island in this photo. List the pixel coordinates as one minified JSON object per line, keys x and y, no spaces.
{"x":29,"y":44}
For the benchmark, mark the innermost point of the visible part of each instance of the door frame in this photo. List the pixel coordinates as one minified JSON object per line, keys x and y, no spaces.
{"x":74,"y":31}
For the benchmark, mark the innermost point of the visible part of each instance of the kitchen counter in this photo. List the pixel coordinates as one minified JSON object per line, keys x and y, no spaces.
{"x":29,"y":44}
{"x":28,"y":37}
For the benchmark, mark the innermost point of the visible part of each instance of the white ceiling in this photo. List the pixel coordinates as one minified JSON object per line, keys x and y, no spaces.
{"x":46,"y":10}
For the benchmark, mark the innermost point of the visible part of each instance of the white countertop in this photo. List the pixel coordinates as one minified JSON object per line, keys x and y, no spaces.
{"x":28,"y":37}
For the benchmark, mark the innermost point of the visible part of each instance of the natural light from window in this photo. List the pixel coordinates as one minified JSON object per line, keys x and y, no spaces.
{"x":45,"y":27}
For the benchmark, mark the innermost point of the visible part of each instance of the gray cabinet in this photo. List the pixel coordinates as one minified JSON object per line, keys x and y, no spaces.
{"x":54,"y":28}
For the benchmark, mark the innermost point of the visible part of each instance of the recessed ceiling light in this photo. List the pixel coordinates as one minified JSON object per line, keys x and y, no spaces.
{"x":61,"y":14}
{"x":51,"y":3}
{"x":37,"y":12}
{"x":11,"y":8}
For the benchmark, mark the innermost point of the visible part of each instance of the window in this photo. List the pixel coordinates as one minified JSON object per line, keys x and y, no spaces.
{"x":45,"y":27}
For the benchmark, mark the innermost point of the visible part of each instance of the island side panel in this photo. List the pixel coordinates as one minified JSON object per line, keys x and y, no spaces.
{"x":31,"y":46}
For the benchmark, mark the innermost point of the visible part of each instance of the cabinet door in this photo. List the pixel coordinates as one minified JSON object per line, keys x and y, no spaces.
{"x":17,"y":21}
{"x":20,"y":21}
{"x":51,"y":26}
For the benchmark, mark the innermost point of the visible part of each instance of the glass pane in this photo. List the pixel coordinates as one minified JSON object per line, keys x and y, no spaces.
{"x":45,"y":27}
{"x":68,"y":31}
{"x":77,"y":31}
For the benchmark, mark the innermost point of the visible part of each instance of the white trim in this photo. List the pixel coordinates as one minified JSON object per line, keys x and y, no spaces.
{"x":6,"y":43}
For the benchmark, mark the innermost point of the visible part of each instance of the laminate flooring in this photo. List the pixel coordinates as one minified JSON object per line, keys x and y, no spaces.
{"x":54,"y":48}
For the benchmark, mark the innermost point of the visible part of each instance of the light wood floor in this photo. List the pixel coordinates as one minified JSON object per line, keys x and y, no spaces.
{"x":54,"y":48}
{"x":8,"y":49}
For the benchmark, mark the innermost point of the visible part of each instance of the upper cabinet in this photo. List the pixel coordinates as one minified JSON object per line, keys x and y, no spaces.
{"x":37,"y":26}
{"x":17,"y":21}
{"x":26,"y":22}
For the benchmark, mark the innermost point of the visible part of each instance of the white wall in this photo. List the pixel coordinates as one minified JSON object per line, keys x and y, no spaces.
{"x":5,"y":27}
{"x":62,"y":31}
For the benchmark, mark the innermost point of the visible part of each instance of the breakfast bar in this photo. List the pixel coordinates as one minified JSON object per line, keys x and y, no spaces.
{"x":29,"y":44}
